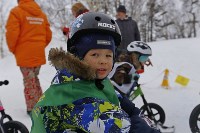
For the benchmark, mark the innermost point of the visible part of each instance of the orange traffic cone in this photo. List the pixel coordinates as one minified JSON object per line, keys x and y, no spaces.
{"x":165,"y":82}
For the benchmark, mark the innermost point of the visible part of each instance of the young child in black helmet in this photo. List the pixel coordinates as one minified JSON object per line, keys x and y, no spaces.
{"x":87,"y":102}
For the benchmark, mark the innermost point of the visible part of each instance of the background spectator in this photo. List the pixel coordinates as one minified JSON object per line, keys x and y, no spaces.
{"x":128,"y":27}
{"x":28,"y":33}
{"x":77,"y":9}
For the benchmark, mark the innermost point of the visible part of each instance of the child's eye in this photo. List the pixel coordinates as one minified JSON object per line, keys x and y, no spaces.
{"x":94,"y":54}
{"x":109,"y":56}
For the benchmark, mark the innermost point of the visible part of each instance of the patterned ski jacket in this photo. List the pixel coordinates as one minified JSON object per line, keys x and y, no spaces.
{"x":78,"y":106}
{"x":139,"y":123}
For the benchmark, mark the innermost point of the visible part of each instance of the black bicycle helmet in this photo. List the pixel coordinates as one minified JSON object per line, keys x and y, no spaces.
{"x":93,"y":22}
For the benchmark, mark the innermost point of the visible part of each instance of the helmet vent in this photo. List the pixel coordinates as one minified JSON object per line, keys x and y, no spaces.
{"x":112,"y":21}
{"x":97,"y":18}
{"x":132,"y":46}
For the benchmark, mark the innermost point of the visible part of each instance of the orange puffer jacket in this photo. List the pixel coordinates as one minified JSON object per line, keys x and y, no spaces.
{"x":28,"y":33}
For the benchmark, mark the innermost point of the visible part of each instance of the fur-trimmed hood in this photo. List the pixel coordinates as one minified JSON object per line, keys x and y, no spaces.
{"x":65,"y":60}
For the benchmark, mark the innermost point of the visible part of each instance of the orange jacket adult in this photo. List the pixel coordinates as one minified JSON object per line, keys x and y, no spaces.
{"x":28,"y":33}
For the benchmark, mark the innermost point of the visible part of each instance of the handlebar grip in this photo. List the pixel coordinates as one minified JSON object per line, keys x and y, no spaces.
{"x":5,"y":82}
{"x":136,"y":78}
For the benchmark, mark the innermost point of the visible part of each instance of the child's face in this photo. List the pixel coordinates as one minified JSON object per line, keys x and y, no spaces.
{"x":101,"y":60}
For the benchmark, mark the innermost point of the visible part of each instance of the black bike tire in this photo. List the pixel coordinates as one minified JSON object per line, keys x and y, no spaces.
{"x":193,"y":119}
{"x":159,"y":109}
{"x":9,"y":125}
{"x":1,"y":129}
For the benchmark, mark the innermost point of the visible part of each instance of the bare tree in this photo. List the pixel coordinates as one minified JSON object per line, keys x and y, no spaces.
{"x":192,"y":7}
{"x":58,"y":13}
{"x":1,"y":29}
{"x":165,"y":20}
{"x":135,"y":8}
{"x":156,"y":18}
{"x":104,"y":6}
{"x":149,"y":18}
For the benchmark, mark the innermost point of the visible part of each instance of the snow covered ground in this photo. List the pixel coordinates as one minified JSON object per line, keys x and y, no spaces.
{"x":12,"y":95}
{"x":179,"y":56}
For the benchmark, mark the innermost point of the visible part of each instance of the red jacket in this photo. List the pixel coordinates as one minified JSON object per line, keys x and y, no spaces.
{"x":28,"y":33}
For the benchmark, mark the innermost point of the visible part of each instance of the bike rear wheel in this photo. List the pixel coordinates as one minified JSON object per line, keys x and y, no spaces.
{"x":194,"y":120}
{"x":157,"y":111}
{"x":14,"y":127}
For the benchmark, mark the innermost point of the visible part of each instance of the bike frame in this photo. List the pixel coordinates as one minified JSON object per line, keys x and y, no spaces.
{"x":138,"y":92}
{"x":1,"y":106}
{"x":3,"y":114}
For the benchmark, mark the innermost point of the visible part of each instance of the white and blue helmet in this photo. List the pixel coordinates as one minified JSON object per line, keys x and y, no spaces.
{"x":139,"y":47}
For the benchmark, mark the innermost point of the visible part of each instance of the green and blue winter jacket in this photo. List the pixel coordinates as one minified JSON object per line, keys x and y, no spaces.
{"x":79,"y":106}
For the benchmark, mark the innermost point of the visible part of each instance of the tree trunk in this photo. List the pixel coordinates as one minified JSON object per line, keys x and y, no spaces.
{"x":106,"y":7}
{"x":1,"y":31}
{"x":151,"y":34}
{"x":194,"y":24}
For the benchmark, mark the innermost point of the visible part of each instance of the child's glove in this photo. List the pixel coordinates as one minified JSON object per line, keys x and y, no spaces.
{"x":65,"y":30}
{"x":141,"y":125}
{"x":128,"y":106}
{"x":135,"y":77}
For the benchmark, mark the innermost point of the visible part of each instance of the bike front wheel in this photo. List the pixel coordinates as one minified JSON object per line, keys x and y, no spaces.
{"x":1,"y":129}
{"x":14,"y":127}
{"x":158,"y":112}
{"x":194,"y":120}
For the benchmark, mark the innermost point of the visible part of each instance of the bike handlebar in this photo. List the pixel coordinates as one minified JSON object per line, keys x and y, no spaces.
{"x":5,"y":82}
{"x":136,"y":78}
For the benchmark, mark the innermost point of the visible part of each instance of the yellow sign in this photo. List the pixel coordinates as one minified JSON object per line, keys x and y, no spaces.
{"x":182,"y":80}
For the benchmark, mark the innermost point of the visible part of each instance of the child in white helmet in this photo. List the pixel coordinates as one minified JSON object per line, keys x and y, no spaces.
{"x":126,"y":71}
{"x":139,"y":53}
{"x":125,"y":74}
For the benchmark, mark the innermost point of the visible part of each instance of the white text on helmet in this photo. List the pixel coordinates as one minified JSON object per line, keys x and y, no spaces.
{"x":106,"y":25}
